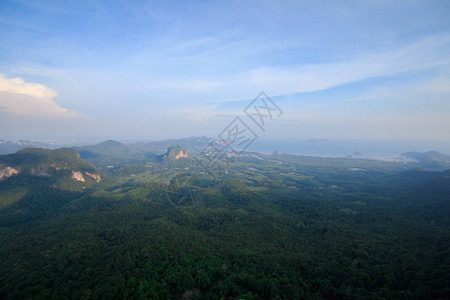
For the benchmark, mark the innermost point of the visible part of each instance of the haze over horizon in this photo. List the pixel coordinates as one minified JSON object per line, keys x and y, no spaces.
{"x":92,"y":70}
{"x":271,"y":149}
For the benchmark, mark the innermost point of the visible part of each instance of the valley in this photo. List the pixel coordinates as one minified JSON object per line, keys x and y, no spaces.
{"x":272,"y":226}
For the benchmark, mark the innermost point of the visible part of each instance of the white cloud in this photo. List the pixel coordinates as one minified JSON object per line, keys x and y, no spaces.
{"x":24,"y":98}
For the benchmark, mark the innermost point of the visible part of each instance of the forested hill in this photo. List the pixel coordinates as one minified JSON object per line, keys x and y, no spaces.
{"x":35,"y":182}
{"x":270,"y":227}
{"x":31,"y":158}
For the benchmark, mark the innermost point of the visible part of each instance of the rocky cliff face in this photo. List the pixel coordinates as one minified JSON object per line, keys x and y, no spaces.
{"x":176,"y":152}
{"x":181,"y":154}
{"x":42,"y":170}
{"x":6,"y":172}
{"x":96,"y":177}
{"x":78,"y":176}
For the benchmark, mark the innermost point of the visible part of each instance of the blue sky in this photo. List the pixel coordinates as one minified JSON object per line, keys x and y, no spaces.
{"x":91,"y":70}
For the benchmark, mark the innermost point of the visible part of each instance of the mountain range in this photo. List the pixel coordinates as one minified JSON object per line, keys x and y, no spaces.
{"x":113,"y":153}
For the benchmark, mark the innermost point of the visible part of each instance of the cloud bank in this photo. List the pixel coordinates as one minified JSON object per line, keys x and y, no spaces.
{"x":33,"y":99}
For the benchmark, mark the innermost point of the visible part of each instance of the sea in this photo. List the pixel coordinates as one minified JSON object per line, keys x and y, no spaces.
{"x":389,"y":150}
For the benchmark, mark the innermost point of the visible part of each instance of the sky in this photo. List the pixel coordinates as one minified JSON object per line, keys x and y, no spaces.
{"x":150,"y":70}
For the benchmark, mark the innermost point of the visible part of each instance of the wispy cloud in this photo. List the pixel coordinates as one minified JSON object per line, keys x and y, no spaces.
{"x":193,"y":84}
{"x":421,"y":55}
{"x":173,"y":68}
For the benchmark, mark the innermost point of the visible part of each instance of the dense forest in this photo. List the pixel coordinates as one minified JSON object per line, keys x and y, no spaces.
{"x":272,"y":227}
